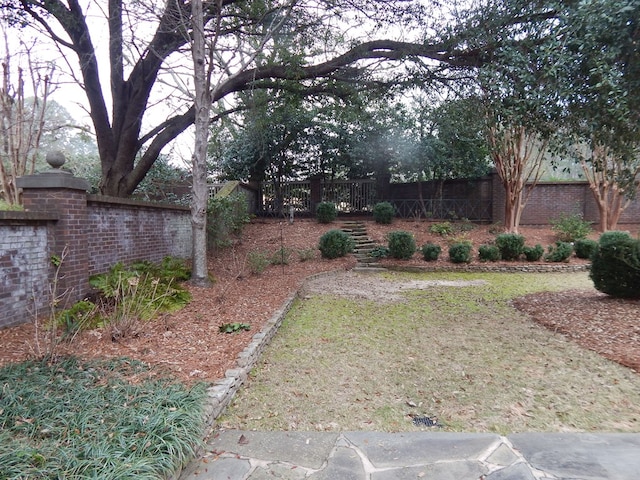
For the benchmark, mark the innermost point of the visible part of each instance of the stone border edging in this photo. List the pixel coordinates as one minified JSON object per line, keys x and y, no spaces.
{"x":488,"y":268}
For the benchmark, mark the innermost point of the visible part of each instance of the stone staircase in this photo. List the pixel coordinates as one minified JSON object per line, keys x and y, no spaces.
{"x":363,"y":246}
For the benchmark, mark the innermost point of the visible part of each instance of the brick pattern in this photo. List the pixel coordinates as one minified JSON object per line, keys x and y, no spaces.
{"x":26,"y":270}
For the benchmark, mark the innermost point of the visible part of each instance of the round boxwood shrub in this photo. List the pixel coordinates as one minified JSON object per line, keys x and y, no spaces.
{"x":511,"y":245}
{"x":335,"y":243}
{"x":383,"y":212}
{"x":431,"y":252}
{"x":533,"y":254}
{"x":326,"y":212}
{"x":460,"y":252}
{"x":402,"y":245}
{"x":560,"y":252}
{"x":615,"y":265}
{"x":585,"y":247}
{"x":488,"y":253}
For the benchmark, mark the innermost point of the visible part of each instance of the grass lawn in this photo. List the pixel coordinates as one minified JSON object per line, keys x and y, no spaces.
{"x":461,"y":355}
{"x":106,"y":420}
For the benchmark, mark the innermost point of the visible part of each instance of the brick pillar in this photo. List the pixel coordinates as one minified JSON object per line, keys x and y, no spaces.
{"x":60,"y":193}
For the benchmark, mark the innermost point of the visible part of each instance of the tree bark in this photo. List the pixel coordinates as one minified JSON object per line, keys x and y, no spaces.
{"x":199,"y":270}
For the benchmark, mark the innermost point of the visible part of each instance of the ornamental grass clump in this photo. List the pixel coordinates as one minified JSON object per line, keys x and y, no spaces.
{"x":402,"y":245}
{"x":99,"y":419}
{"x":335,"y":243}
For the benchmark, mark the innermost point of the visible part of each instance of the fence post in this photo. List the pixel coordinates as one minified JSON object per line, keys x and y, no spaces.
{"x":58,"y":192}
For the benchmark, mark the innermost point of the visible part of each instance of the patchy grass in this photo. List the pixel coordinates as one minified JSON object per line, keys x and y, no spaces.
{"x":74,"y":420}
{"x":461,"y":354}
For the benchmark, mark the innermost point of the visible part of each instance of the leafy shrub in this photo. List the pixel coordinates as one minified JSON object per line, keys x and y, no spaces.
{"x":379,"y":251}
{"x":226,"y":217}
{"x":281,"y":256}
{"x":489,"y":253}
{"x":233,"y":327}
{"x":533,"y":254}
{"x":585,"y":247}
{"x":402,"y":245}
{"x":326,"y":212}
{"x":615,"y":265}
{"x":383,"y":212}
{"x":431,"y":252}
{"x":460,"y":252}
{"x":257,"y":262}
{"x":335,"y":243}
{"x":559,"y":252}
{"x":570,"y":228}
{"x":511,"y":245}
{"x":306,"y":254}
{"x":80,"y":316}
{"x":442,"y":228}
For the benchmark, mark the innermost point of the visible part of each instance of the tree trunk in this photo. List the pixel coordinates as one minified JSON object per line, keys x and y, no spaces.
{"x":199,"y":271}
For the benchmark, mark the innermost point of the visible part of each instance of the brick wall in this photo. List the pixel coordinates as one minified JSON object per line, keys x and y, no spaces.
{"x":90,"y":234}
{"x":126,"y":231}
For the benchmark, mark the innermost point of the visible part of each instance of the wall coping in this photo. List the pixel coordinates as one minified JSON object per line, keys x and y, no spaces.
{"x":22,"y":216}
{"x":53,"y":179}
{"x":107,"y":200}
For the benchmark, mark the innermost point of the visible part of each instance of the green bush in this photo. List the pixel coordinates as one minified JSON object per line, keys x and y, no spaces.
{"x":460,"y":252}
{"x":560,"y":252}
{"x":431,"y":252}
{"x":226,"y":217}
{"x":488,"y":253}
{"x":402,"y":245}
{"x":257,"y":262}
{"x":511,"y":245}
{"x":379,"y":251}
{"x":383,"y":212}
{"x":533,"y":254}
{"x":442,"y":228}
{"x":335,"y":243}
{"x":281,"y":256}
{"x":615,"y":265}
{"x":585,"y":247}
{"x":326,"y":212}
{"x":570,"y":228}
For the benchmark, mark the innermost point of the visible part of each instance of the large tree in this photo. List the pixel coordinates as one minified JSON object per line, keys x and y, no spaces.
{"x":127,"y":142}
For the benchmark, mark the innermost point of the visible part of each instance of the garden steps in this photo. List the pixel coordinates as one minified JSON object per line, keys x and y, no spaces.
{"x":363,"y":246}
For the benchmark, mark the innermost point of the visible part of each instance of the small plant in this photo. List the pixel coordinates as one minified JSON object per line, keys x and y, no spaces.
{"x":6,"y":206}
{"x":511,"y":245}
{"x":570,"y":228}
{"x":460,"y":252}
{"x":379,"y":251}
{"x":533,"y":254}
{"x":233,"y":327}
{"x":326,"y":212}
{"x":78,"y":317}
{"x":441,"y":228}
{"x":335,"y":243}
{"x":306,"y":254}
{"x":402,"y":245}
{"x":383,"y":213}
{"x":615,"y":265}
{"x":585,"y":247}
{"x":488,"y":253}
{"x":280,"y":256}
{"x":496,"y":228}
{"x":431,"y":252}
{"x":257,"y":262}
{"x":560,"y":252}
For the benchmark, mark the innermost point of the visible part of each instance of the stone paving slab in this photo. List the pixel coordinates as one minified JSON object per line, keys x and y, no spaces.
{"x":243,"y":455}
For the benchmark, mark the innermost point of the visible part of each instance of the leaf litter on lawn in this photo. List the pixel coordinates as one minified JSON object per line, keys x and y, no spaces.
{"x":462,"y":355}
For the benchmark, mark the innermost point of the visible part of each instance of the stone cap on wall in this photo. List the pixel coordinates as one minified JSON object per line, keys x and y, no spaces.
{"x":53,"y":179}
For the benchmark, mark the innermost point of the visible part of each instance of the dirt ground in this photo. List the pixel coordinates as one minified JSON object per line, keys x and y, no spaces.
{"x":188,"y":345}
